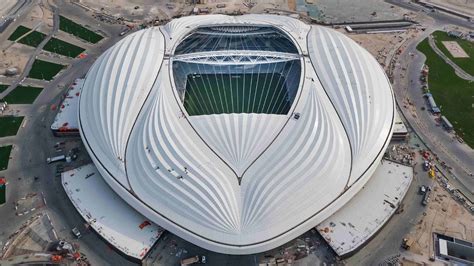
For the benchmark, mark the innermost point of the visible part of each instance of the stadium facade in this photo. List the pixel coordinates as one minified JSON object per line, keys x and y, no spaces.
{"x":236,"y":133}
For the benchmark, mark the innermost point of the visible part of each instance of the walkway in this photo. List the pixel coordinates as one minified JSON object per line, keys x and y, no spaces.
{"x":459,"y":71}
{"x":33,"y":56}
{"x":407,"y":92}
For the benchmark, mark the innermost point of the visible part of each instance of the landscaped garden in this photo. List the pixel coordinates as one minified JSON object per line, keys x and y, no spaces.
{"x":33,"y":38}
{"x":9,"y":125}
{"x":453,"y":94}
{"x":23,"y":95}
{"x":20,"y":31}
{"x":3,"y":87}
{"x":78,"y":30}
{"x":54,"y":45}
{"x":467,"y":64}
{"x":44,"y":70}
{"x":63,"y":48}
{"x":5,"y":156}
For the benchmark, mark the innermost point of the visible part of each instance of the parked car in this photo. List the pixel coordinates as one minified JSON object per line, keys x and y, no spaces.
{"x":422,"y":190}
{"x":76,"y":232}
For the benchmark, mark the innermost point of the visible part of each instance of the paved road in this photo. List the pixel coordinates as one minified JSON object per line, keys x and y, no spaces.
{"x":386,"y":243}
{"x":170,"y":249}
{"x":17,"y":10}
{"x":37,"y":50}
{"x":440,"y":17}
{"x":407,"y":86}
{"x":34,"y":143}
{"x":459,"y":71}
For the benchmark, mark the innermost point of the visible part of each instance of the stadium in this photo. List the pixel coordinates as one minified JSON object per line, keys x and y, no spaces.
{"x":236,"y":133}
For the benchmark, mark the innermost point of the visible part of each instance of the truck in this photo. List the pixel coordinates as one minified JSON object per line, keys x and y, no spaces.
{"x":56,"y":159}
{"x":193,"y":260}
{"x":426,"y":166}
{"x":422,"y":190}
{"x":426,"y":197}
{"x":407,"y":243}
{"x":125,"y":31}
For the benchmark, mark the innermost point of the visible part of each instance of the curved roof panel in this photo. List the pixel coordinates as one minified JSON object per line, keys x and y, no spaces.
{"x":358,"y":89}
{"x":236,"y":181}
{"x":114,"y":90}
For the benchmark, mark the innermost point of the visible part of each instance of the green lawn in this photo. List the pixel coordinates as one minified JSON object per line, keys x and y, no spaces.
{"x":9,"y":125}
{"x":23,"y":95}
{"x":467,"y":64}
{"x":20,"y":31}
{"x":63,"y":48}
{"x":78,"y":30}
{"x":33,"y":39}
{"x":54,"y":45}
{"x":5,"y":156}
{"x":236,"y":93}
{"x":44,"y":70}
{"x":3,"y":87}
{"x":454,"y":95}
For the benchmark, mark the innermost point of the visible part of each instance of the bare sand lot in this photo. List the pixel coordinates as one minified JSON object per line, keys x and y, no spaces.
{"x":355,"y":10}
{"x":40,"y":19}
{"x":443,"y":215}
{"x":16,"y":55}
{"x":455,"y":49}
{"x":136,"y":9}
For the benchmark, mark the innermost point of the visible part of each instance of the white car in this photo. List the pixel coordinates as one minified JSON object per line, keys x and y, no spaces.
{"x":76,"y":232}
{"x":422,"y":190}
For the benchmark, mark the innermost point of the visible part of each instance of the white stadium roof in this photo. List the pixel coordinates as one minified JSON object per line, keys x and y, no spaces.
{"x":236,"y":182}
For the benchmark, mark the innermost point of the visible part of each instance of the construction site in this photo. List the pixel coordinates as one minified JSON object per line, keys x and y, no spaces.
{"x":443,"y":215}
{"x":424,"y":217}
{"x":37,"y":242}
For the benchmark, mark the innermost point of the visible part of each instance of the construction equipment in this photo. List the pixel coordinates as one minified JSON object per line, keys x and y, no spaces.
{"x":407,"y":243}
{"x":426,"y":166}
{"x":426,"y":197}
{"x":432,"y":173}
{"x":192,"y":260}
{"x":422,"y":190}
{"x":56,"y":159}
{"x":56,"y":258}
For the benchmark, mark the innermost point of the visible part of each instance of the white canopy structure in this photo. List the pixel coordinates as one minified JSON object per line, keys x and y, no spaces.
{"x":124,"y":228}
{"x":353,"y":225}
{"x":236,"y":133}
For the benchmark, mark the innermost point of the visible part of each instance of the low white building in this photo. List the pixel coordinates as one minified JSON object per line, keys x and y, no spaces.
{"x":123,"y":227}
{"x":353,"y":225}
{"x":66,"y":122}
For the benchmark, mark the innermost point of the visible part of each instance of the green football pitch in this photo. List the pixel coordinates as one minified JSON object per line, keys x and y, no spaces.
{"x":236,"y":93}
